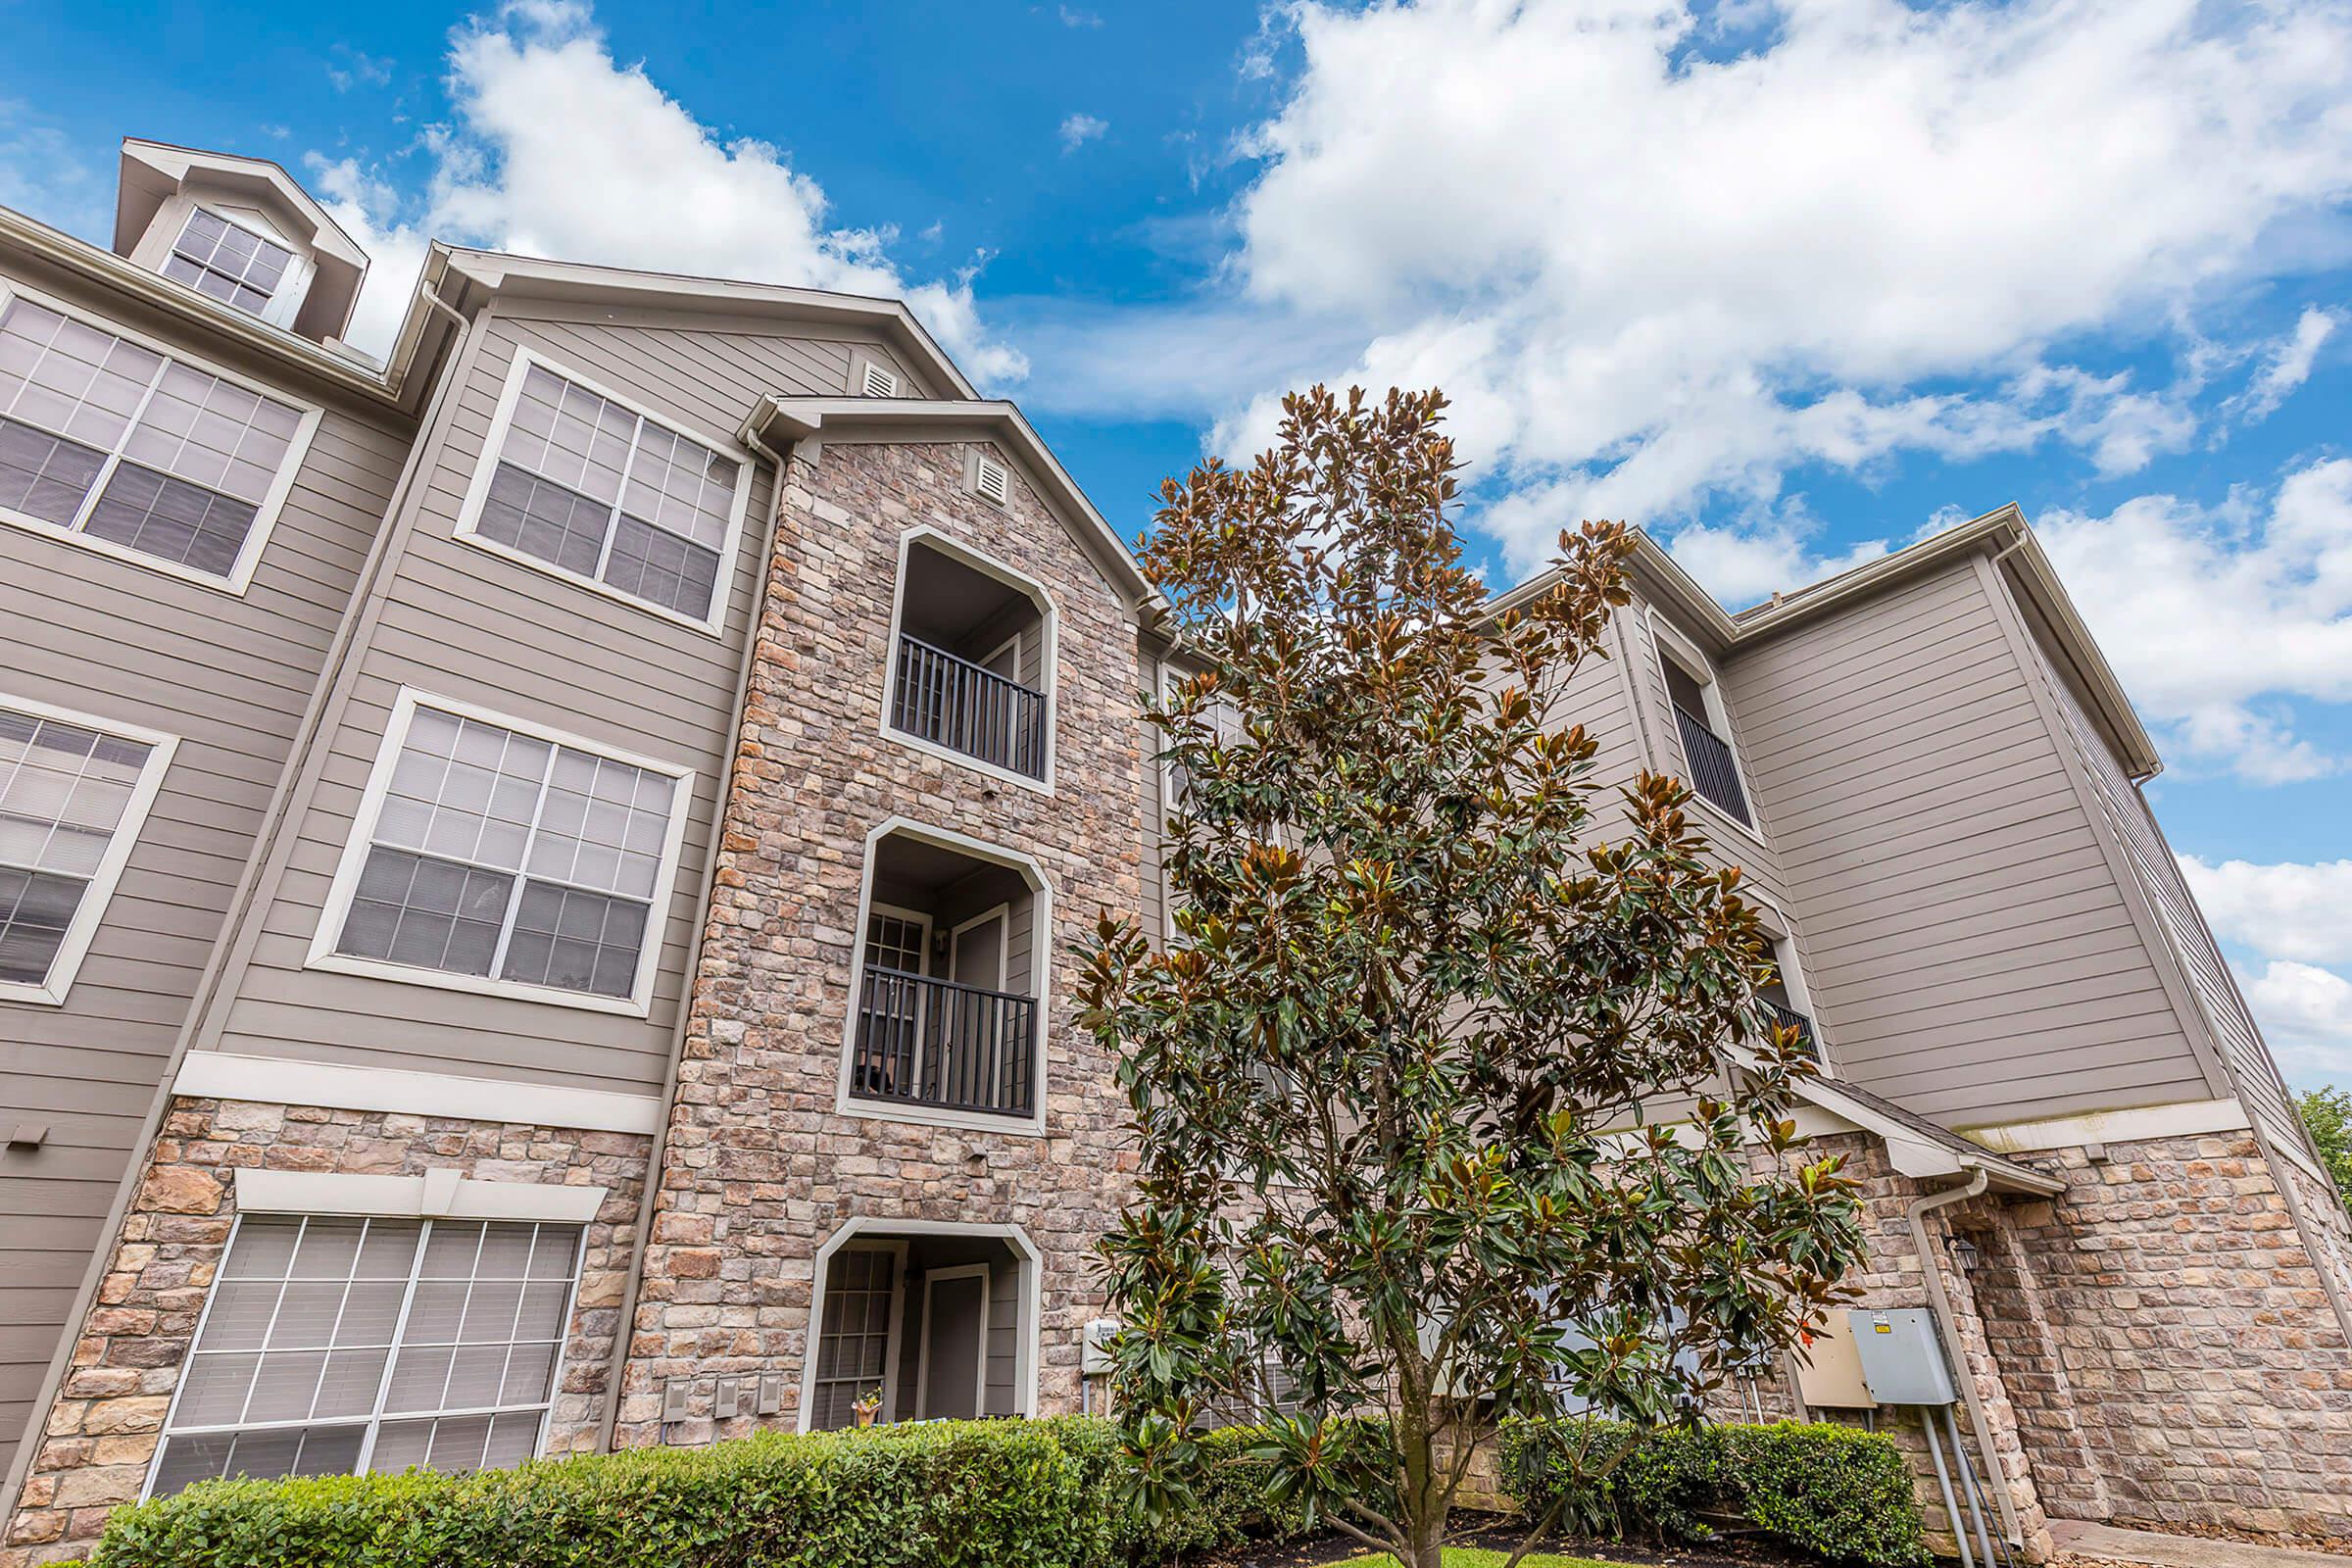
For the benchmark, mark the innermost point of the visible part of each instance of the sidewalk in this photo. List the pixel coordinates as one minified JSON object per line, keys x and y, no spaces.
{"x":2106,"y":1543}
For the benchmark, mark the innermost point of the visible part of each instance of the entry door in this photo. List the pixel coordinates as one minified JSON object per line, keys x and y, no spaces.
{"x":955,"y":1366}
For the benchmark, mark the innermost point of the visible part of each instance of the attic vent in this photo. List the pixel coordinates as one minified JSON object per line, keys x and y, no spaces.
{"x":880,"y":383}
{"x":992,"y":482}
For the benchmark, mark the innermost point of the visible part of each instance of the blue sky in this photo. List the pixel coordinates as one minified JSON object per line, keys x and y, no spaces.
{"x":1788,"y":283}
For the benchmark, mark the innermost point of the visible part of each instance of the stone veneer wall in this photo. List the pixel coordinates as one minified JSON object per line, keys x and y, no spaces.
{"x":2207,"y":1370}
{"x":760,"y":1169}
{"x":108,"y":1419}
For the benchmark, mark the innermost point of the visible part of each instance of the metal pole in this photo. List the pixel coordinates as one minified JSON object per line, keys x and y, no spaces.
{"x":1944,"y":1484}
{"x":1968,"y":1479}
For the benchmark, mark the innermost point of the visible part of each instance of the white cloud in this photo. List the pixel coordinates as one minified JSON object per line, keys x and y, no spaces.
{"x":2306,"y":1016}
{"x":1654,"y":279}
{"x":2288,"y":366}
{"x":1079,"y":129}
{"x":2218,"y":619}
{"x":556,"y":149}
{"x":2288,"y":911}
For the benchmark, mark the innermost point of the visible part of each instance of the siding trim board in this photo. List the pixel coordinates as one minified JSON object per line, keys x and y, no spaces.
{"x":265,"y":514}
{"x":50,"y":991}
{"x":637,"y":1004}
{"x":337,"y":1085}
{"x":485,"y":470}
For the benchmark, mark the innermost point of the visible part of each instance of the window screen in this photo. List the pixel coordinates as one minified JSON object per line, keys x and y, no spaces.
{"x":228,"y":262}
{"x":102,"y":437}
{"x":63,"y":792}
{"x":337,"y":1344}
{"x":853,"y":1354}
{"x":499,"y":853}
{"x":587,"y":486}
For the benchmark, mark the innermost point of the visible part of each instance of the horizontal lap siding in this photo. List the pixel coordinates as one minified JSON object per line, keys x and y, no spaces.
{"x":458,"y":621}
{"x":230,"y":675}
{"x":1966,"y":943}
{"x":2250,"y":1067}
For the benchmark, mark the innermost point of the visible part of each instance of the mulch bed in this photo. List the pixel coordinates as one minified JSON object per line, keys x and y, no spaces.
{"x":1501,"y":1533}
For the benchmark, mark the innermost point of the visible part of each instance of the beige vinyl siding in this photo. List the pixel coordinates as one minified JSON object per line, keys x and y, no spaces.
{"x":457,"y":621}
{"x":1964,"y":938}
{"x":2250,"y":1067}
{"x":230,"y":675}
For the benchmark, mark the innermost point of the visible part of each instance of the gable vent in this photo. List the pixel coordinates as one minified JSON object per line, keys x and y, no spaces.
{"x":993,"y":481}
{"x":880,"y":383}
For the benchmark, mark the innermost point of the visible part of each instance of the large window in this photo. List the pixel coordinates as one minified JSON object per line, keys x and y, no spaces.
{"x":228,"y":262}
{"x":504,"y":856}
{"x":72,"y":794}
{"x":579,"y":482}
{"x":135,"y":453}
{"x":338,"y":1345}
{"x":855,"y":1353}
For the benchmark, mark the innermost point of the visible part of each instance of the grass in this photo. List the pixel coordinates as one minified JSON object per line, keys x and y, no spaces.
{"x":1475,"y":1557}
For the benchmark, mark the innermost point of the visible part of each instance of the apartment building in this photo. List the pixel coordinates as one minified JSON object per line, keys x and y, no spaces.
{"x":536,"y":878}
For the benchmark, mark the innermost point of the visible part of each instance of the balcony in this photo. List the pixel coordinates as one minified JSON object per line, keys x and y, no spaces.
{"x":971,"y":660}
{"x":967,"y":707}
{"x":944,"y":1019}
{"x":1713,"y":773}
{"x":923,"y":1040}
{"x":1788,"y":1017}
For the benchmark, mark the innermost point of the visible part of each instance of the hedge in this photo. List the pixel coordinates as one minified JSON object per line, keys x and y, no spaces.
{"x":940,"y":1495}
{"x":960,"y":1494}
{"x":1828,"y":1491}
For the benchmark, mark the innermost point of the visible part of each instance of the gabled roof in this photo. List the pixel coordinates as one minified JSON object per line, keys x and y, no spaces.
{"x":778,"y":420}
{"x":2002,"y":534}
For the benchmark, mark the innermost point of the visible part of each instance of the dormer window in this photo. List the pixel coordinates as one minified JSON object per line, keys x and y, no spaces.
{"x":228,"y":262}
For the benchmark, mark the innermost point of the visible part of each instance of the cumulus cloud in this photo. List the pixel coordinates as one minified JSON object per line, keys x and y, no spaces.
{"x":2288,"y":911}
{"x":1079,"y":129}
{"x":1658,"y":270}
{"x":2306,"y":1016}
{"x":556,"y":149}
{"x":2218,"y":619}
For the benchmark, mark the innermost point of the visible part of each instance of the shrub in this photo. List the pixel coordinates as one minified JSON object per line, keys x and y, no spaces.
{"x":1838,"y":1493}
{"x":944,"y":1494}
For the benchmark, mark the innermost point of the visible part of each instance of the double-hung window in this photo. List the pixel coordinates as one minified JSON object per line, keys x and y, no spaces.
{"x":335,"y":1344}
{"x":72,"y":794}
{"x":577,"y":482}
{"x":492,"y":854}
{"x":228,"y":262}
{"x":136,"y":453}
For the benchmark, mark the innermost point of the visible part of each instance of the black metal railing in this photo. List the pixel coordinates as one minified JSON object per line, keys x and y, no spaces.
{"x":924,"y":1041}
{"x":968,"y":708}
{"x":1791,"y":1018}
{"x":1713,"y":773}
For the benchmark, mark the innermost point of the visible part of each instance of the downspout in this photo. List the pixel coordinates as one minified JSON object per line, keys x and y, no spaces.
{"x":634,"y":1288}
{"x":1949,"y":1327}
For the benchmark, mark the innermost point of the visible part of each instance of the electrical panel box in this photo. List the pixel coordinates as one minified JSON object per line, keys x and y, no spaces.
{"x":1094,"y":1354}
{"x":1902,"y":1359}
{"x":1829,"y":1369}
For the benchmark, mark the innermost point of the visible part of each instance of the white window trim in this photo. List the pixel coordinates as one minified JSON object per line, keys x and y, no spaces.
{"x":1000,"y":912}
{"x":979,"y":560}
{"x":265,"y":517}
{"x":485,"y":470}
{"x":1041,"y":961}
{"x":441,"y":1193}
{"x":375,"y":1420}
{"x":887,"y":1231}
{"x":1789,"y":958}
{"x":637,"y":1004}
{"x":922,"y":1369}
{"x":285,"y":301}
{"x":91,"y":912}
{"x":1668,"y":643}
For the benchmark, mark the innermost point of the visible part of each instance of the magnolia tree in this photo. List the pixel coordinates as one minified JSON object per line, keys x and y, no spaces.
{"x":1452,"y":1091}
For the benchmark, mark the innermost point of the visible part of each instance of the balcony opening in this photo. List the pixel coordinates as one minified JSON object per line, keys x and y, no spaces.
{"x":1782,"y":1002}
{"x":944,"y":1021}
{"x":972,"y":663}
{"x":1705,"y":729}
{"x":921,"y":1326}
